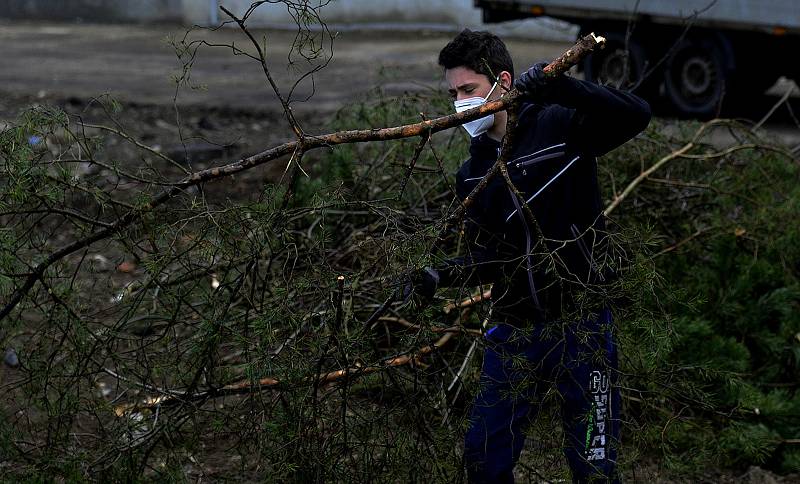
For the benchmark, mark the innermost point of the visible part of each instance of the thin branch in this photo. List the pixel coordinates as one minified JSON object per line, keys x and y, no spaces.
{"x":409,"y":325}
{"x":683,"y":153}
{"x":643,"y":176}
{"x":262,"y":57}
{"x":469,"y":302}
{"x":136,"y":143}
{"x":656,"y":166}
{"x":417,"y":151}
{"x":774,"y":108}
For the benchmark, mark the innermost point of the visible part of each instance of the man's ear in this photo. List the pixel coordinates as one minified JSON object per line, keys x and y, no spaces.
{"x":505,"y":80}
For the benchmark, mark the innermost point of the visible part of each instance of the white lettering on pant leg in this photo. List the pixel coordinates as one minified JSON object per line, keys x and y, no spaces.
{"x":599,"y":384}
{"x":596,"y":453}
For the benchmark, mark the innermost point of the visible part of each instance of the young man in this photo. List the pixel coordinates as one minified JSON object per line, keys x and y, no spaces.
{"x":545,"y":336}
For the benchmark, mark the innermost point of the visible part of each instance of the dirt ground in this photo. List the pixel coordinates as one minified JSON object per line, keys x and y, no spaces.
{"x":136,"y":63}
{"x":72,"y":63}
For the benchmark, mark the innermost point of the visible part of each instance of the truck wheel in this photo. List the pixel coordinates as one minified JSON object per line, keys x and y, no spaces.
{"x":616,"y":65}
{"x":695,"y":78}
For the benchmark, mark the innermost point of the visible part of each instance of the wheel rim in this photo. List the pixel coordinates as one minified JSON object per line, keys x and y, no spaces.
{"x":620,"y":64}
{"x":697,"y":75}
{"x":695,"y":80}
{"x":616,"y":69}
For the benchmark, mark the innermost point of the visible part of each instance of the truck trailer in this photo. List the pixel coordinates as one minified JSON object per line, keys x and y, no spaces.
{"x":695,"y":54}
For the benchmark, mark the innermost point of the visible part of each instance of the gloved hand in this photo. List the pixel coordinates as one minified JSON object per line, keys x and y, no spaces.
{"x":422,"y":283}
{"x":535,"y":84}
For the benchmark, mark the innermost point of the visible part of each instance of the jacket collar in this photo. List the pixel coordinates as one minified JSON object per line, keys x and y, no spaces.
{"x":483,"y":147}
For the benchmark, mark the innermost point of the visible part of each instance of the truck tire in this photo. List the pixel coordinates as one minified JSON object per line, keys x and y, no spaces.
{"x":695,"y":78}
{"x":617,"y":65}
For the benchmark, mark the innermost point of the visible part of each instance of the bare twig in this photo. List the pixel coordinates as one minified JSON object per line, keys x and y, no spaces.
{"x":657,"y":165}
{"x":469,"y":301}
{"x":774,"y":108}
{"x":262,"y":57}
{"x":682,"y":152}
{"x":417,"y":151}
{"x":451,"y":329}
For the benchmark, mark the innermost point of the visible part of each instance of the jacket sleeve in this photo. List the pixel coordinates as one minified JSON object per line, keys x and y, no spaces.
{"x":480,"y":265}
{"x":604,"y":117}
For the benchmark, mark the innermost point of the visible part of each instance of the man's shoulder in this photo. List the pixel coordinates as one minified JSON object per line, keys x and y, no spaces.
{"x":542,"y":125}
{"x":533,"y":111}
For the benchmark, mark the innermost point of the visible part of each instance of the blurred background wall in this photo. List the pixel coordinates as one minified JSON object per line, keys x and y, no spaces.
{"x":96,"y":10}
{"x":442,"y":15}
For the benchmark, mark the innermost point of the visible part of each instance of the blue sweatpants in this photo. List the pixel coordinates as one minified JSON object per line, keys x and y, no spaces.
{"x":579,"y":361}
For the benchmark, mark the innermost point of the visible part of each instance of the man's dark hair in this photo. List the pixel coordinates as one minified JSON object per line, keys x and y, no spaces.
{"x":483,"y":52}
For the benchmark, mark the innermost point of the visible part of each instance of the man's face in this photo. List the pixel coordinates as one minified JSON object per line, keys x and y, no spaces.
{"x":464,"y":83}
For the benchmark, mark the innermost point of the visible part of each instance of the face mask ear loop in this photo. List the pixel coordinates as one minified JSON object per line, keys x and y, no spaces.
{"x":490,"y":91}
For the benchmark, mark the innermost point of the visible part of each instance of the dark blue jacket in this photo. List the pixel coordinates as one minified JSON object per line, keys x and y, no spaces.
{"x":554,"y":166}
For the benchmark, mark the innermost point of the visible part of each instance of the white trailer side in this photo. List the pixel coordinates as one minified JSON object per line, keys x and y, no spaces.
{"x":695,"y":54}
{"x":742,"y":14}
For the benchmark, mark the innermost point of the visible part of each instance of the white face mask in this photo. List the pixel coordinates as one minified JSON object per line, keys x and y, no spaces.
{"x":480,"y":125}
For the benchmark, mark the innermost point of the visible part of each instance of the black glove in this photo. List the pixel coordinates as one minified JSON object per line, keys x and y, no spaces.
{"x":535,"y":84}
{"x":422,"y":283}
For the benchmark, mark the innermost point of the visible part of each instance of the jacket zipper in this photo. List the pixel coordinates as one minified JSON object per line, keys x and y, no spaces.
{"x":560,"y":145}
{"x":522,"y":164}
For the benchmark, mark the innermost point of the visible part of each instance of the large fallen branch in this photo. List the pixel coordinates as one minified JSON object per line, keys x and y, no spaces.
{"x":168,"y":398}
{"x":305,"y":143}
